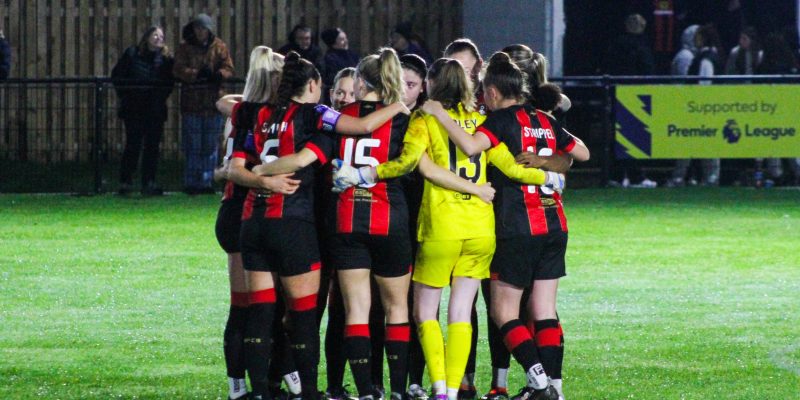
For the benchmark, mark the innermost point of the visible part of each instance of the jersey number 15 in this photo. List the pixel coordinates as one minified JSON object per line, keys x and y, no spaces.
{"x":355,"y":154}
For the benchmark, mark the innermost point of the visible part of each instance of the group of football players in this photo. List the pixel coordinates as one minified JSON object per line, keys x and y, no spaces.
{"x":321,"y":202}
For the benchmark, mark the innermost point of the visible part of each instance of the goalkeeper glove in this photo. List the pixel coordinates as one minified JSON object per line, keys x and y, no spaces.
{"x":345,"y":175}
{"x":554,"y":181}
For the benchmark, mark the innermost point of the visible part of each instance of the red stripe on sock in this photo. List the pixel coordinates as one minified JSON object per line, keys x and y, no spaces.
{"x":356,"y":330}
{"x":240,"y":299}
{"x":262,"y":296}
{"x":304,"y":303}
{"x":548,"y":337}
{"x":398,"y":333}
{"x":516,"y":336}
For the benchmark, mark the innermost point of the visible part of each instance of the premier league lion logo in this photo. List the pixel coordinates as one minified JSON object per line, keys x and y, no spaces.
{"x":731,"y":131}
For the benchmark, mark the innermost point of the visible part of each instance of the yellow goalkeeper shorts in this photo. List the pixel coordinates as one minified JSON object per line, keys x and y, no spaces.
{"x":439,"y":260}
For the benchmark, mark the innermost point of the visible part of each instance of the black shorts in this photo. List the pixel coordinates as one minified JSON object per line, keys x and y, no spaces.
{"x":229,"y":224}
{"x":386,"y":256}
{"x":286,"y":246}
{"x":521,"y":260}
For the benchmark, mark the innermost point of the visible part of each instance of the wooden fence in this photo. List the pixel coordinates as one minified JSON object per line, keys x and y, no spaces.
{"x":81,"y":38}
{"x":85,"y":38}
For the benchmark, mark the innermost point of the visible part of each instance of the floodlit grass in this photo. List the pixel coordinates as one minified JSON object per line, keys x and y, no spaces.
{"x":671,"y":294}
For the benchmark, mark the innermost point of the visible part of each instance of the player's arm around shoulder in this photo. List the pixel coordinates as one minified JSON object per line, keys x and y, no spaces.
{"x":447,"y":179}
{"x":415,"y":142}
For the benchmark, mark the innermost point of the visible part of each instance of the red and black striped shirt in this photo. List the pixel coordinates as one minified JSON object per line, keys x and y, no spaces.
{"x":243,"y":119}
{"x":522,"y":210}
{"x":378,"y":209}
{"x":286,"y":134}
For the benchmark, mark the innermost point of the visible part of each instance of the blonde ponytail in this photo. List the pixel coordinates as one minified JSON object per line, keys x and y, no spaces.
{"x":391,"y":76}
{"x":258,"y":87}
{"x":383,"y":74}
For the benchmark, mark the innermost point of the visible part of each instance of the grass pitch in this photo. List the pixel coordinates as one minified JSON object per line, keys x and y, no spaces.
{"x":671,"y":294}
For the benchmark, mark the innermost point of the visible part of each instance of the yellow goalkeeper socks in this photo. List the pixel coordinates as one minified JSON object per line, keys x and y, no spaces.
{"x":459,"y":340}
{"x":432,"y":342}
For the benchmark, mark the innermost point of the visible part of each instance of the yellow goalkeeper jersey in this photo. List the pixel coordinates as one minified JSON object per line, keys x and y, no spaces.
{"x":445,"y":214}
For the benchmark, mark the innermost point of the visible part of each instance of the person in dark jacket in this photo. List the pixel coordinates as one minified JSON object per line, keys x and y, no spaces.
{"x":405,"y":41}
{"x":778,"y":60}
{"x":338,"y":57}
{"x":5,"y":57}
{"x":143,"y":79}
{"x":202,"y":63}
{"x":301,"y":40}
{"x":630,"y":54}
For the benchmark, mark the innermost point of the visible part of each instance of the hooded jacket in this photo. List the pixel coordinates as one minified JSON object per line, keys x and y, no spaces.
{"x":201,"y":67}
{"x":682,"y":60}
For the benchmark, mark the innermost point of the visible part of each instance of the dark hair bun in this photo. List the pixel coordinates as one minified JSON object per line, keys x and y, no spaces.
{"x":500,"y":58}
{"x":291,"y":57}
{"x":548,"y":95}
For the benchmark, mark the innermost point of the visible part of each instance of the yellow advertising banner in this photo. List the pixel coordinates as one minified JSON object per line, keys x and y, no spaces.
{"x":707,"y":121}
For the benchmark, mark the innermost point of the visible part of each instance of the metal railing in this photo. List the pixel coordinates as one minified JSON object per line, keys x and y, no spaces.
{"x":63,"y":135}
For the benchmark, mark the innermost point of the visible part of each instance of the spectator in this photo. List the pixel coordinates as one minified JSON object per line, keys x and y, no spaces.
{"x":632,"y":48}
{"x":5,"y":57}
{"x":147,"y":67}
{"x":300,"y":40}
{"x":778,"y":60}
{"x":202,"y":62}
{"x":744,"y":58}
{"x":338,"y":57}
{"x":630,"y":54}
{"x":405,"y":41}
{"x":707,"y":62}
{"x":683,"y":60}
{"x":680,"y":66}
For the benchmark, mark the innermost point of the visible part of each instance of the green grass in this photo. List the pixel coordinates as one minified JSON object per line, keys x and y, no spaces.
{"x":671,"y":294}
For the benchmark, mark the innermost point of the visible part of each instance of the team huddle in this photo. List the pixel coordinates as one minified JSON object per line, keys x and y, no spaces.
{"x":321,"y":203}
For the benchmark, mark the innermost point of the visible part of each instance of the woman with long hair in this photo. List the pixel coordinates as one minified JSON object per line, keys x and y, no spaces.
{"x":745,"y":58}
{"x":414,"y":71}
{"x":366,"y":223}
{"x":260,"y":86}
{"x":457,"y":238}
{"x":147,"y":68}
{"x":532,"y":229}
{"x":282,"y":204}
{"x":534,"y":65}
